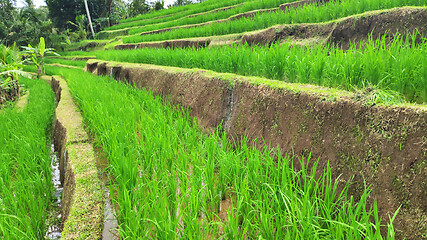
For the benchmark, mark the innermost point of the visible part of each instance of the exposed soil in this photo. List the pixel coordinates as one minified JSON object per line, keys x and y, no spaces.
{"x":80,"y":58}
{"x":22,"y":101}
{"x":385,"y":146}
{"x":343,"y":32}
{"x":201,"y":43}
{"x":88,"y":46}
{"x":347,"y":30}
{"x":62,"y":65}
{"x":402,"y":20}
{"x":202,"y":95}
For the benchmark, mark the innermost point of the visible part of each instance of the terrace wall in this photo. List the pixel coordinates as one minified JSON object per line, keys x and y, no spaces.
{"x":344,"y":32}
{"x":82,"y":199}
{"x":386,"y":147}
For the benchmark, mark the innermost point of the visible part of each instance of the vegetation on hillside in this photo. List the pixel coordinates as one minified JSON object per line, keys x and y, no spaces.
{"x":398,"y":67}
{"x":168,"y":179}
{"x":307,"y":14}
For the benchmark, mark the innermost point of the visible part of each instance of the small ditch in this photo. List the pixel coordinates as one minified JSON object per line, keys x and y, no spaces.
{"x":54,"y":221}
{"x":110,"y":228}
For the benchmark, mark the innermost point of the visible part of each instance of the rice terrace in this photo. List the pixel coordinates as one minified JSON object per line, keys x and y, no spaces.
{"x":213,"y":119}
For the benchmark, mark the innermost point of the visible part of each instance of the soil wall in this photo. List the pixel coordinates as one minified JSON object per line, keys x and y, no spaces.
{"x":343,"y":32}
{"x":384,"y":146}
{"x":82,"y":198}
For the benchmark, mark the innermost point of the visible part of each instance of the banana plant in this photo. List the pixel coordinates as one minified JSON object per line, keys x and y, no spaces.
{"x":38,"y":54}
{"x":10,"y":68}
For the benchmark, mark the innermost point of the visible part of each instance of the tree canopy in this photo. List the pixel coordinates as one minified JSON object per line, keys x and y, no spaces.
{"x":6,"y":17}
{"x":63,"y":11}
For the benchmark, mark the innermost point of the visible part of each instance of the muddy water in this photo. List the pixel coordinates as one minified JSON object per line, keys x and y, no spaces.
{"x":110,"y":223}
{"x":54,"y":230}
{"x":110,"y":230}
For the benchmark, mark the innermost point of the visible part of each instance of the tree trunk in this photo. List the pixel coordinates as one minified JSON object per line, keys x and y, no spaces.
{"x":39,"y":71}
{"x":109,"y":3}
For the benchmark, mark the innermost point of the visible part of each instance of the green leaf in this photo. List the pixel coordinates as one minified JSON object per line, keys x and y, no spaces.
{"x":34,"y":60}
{"x":42,"y":46}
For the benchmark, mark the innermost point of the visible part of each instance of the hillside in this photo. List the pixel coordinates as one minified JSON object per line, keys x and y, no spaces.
{"x":272,"y":119}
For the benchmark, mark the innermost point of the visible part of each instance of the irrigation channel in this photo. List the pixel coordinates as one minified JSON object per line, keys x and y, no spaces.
{"x":54,"y":230}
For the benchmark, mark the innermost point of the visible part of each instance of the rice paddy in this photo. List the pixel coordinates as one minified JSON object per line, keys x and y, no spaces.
{"x":312,"y":13}
{"x":173,"y":14}
{"x":398,"y":67}
{"x":26,"y":189}
{"x":248,"y":6}
{"x":172,"y":181}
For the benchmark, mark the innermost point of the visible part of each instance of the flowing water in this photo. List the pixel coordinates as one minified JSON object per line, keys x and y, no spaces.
{"x":54,"y":229}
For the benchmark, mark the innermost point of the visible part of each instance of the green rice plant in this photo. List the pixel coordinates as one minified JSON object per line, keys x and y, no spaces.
{"x":397,"y":66}
{"x":170,"y":178}
{"x":25,"y":175}
{"x":312,"y":13}
{"x":173,"y":13}
{"x":249,"y":6}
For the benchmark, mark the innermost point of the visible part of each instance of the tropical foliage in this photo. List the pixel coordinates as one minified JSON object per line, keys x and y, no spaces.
{"x":10,"y":65}
{"x":38,"y":54}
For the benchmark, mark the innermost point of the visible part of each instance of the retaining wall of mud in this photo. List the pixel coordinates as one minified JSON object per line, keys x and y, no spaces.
{"x":343,"y":32}
{"x":193,"y":43}
{"x":384,"y":146}
{"x":348,"y":30}
{"x":82,"y":199}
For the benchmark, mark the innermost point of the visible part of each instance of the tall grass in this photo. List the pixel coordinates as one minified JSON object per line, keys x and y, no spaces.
{"x":399,"y":65}
{"x":174,"y":13}
{"x":171,"y":178}
{"x":249,"y":6}
{"x":308,"y":14}
{"x":25,"y":175}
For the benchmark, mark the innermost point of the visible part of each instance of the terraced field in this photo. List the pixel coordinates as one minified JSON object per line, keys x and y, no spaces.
{"x":252,"y":120}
